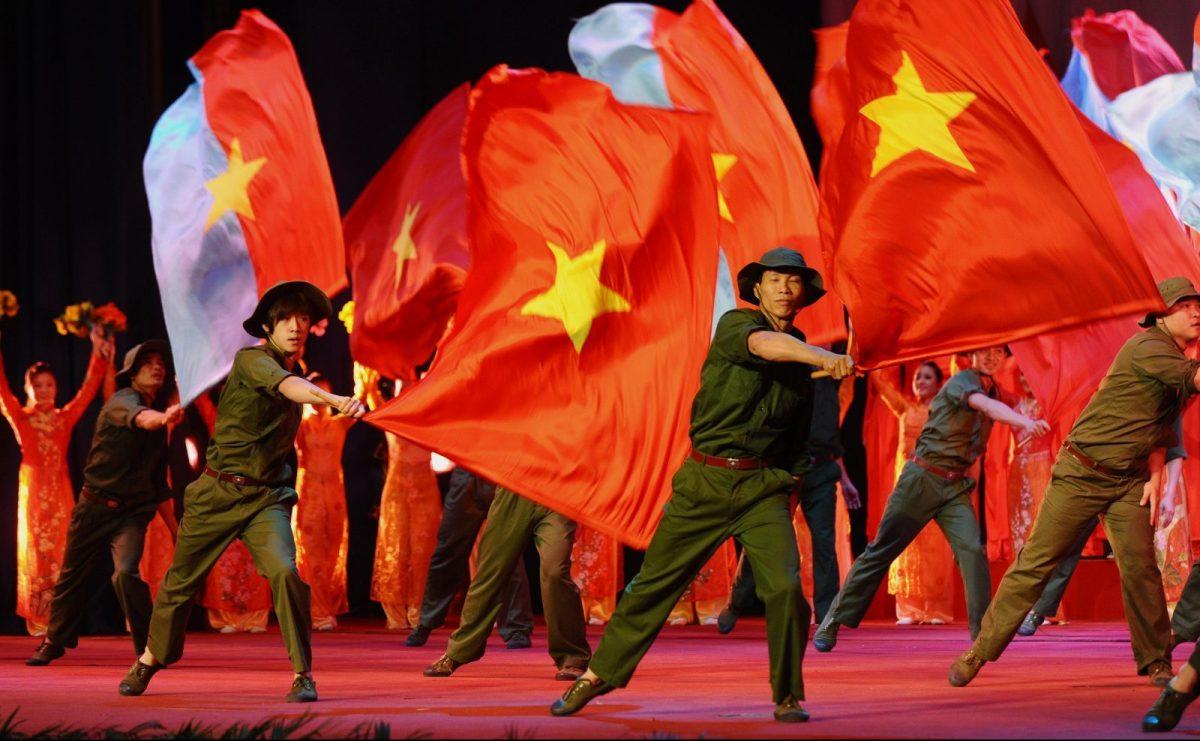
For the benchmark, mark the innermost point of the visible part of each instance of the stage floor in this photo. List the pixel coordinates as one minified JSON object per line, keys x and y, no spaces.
{"x":881,"y":681}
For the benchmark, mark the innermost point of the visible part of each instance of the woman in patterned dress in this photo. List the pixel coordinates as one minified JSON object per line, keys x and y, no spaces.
{"x":45,"y":496}
{"x":922,"y":578}
{"x":596,"y":570}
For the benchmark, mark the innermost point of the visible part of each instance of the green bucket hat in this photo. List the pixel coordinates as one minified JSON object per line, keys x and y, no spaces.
{"x":782,"y":260}
{"x":137,"y":353}
{"x":1173,"y":290}
{"x":316,"y":299}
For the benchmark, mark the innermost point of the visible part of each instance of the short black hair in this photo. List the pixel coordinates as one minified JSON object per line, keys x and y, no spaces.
{"x":287,"y":305}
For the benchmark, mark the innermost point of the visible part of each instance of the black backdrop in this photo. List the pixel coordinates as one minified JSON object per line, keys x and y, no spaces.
{"x":84,"y":82}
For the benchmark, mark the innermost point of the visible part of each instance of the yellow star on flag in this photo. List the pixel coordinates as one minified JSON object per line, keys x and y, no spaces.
{"x":229,"y":188}
{"x":914,"y":119}
{"x":722,"y":163}
{"x":577,"y":296}
{"x":404,"y":248}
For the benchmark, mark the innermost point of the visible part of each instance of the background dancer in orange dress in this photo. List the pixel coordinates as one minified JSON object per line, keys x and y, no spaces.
{"x":922,"y":578}
{"x":709,"y":593}
{"x":319,"y":520}
{"x":44,"y":492}
{"x":596,"y":570}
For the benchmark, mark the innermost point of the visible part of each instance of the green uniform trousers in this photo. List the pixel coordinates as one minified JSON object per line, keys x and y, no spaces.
{"x":708,"y":506}
{"x":1185,"y":621}
{"x":511,"y":521}
{"x":919,"y":497}
{"x":1075,"y":496}
{"x":96,"y":528}
{"x":216,"y":512}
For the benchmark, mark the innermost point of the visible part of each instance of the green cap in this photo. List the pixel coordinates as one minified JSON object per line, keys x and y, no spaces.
{"x":1173,"y":290}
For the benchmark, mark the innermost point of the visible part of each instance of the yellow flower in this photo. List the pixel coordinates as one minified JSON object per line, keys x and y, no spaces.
{"x":347,"y":316}
{"x":60,"y":325}
{"x":8,"y":303}
{"x":71,"y":315}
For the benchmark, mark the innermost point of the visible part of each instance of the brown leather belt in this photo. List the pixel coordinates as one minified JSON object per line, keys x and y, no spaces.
{"x":736,"y":464}
{"x":820,"y":460}
{"x":1087,"y":462}
{"x":99,"y":497}
{"x":233,"y":478}
{"x":938,"y":471}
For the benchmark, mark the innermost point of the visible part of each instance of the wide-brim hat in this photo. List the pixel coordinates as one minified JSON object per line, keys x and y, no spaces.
{"x":1172,"y":290}
{"x":782,"y":260}
{"x":137,"y":354}
{"x":318,"y":304}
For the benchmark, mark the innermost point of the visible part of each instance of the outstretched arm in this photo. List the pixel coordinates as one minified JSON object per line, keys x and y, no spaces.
{"x":780,"y":347}
{"x":103,"y":350}
{"x":301,"y":391}
{"x":1001,"y":412}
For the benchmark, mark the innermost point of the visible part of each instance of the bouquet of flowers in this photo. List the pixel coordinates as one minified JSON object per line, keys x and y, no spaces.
{"x":8,"y":304}
{"x":78,"y":319}
{"x":347,"y":316}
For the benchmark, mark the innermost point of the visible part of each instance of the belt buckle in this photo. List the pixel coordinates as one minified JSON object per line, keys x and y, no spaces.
{"x":239,"y":480}
{"x":731,"y":463}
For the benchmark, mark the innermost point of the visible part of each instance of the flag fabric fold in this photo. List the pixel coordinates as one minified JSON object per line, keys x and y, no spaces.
{"x":406,"y":245}
{"x":574,"y":353}
{"x":698,"y":61}
{"x":240,"y":196}
{"x":964,"y":183}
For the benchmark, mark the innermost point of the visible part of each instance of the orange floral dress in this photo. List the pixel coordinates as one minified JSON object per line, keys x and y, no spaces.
{"x":596,"y":570}
{"x":158,"y":549}
{"x":709,"y":591}
{"x":922,"y":578}
{"x":237,"y":598}
{"x":45,"y":496}
{"x":319,"y":520}
{"x":410,"y":510}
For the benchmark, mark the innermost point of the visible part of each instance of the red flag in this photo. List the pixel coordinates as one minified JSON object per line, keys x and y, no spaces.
{"x":1064,"y":368}
{"x":278,"y":181}
{"x":1123,"y":50}
{"x":406,"y":245}
{"x":963,"y":206}
{"x":830,"y":95}
{"x":575,"y":351}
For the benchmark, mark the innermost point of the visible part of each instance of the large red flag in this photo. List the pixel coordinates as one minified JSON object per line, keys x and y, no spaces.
{"x":830,"y":97}
{"x":963,"y":205}
{"x":575,"y":351}
{"x":1123,"y":51}
{"x":766,"y":192}
{"x":406,"y":245}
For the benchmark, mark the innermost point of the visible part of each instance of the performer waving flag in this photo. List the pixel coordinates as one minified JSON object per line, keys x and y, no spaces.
{"x":965,"y":166}
{"x":240,"y":196}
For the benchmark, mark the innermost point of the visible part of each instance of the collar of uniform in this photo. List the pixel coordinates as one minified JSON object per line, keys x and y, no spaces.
{"x":1157,"y":330}
{"x":793,"y":330}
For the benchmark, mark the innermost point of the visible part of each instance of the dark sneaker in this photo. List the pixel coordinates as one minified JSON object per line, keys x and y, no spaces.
{"x":726,"y":621}
{"x":443,"y":667}
{"x":418,"y":637}
{"x":1030,"y":624}
{"x":964,"y":669}
{"x":789,"y":711}
{"x":826,"y":636}
{"x":579,"y":695}
{"x":138,"y":679}
{"x":304,"y":689}
{"x":45,"y":653}
{"x":1167,"y":710}
{"x":1160,"y":673}
{"x":518,"y":641}
{"x":569,"y":674}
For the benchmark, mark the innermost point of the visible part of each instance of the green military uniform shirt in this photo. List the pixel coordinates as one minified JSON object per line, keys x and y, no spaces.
{"x":256,"y":426}
{"x":125,"y":461}
{"x":748,"y":407}
{"x":1133,"y":411}
{"x":955,"y":434}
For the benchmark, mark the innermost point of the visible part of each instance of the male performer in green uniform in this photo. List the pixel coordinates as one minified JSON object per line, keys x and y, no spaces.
{"x":512,"y":521}
{"x":124,"y":484}
{"x":934,"y":486}
{"x":750,"y":421}
{"x":1111,"y":464}
{"x":243,"y":492}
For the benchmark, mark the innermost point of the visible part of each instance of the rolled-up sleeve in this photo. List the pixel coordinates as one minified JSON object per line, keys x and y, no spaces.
{"x":261,"y":372}
{"x":123,"y":408}
{"x":1164,"y":363}
{"x":732,"y":338}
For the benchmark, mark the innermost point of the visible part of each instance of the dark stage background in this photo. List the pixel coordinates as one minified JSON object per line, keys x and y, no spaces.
{"x":84,"y":83}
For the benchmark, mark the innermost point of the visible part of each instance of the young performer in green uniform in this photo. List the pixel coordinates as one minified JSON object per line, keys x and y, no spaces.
{"x":750,"y":421}
{"x":1110,"y":464}
{"x":934,"y":486}
{"x":244,"y":491}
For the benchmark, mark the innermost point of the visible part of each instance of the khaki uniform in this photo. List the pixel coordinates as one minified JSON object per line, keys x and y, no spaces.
{"x":1128,"y":418}
{"x":255,"y":430}
{"x":124,"y":481}
{"x":747,"y":407}
{"x":512,"y":521}
{"x":953,"y":438}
